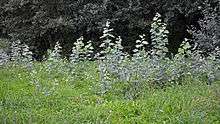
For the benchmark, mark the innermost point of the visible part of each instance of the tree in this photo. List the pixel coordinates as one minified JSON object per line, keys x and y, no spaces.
{"x":41,"y":23}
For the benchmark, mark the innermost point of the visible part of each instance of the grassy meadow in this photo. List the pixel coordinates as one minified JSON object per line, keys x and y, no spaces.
{"x":79,"y":102}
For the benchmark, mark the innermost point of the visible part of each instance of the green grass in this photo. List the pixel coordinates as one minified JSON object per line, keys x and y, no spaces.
{"x":78,"y":102}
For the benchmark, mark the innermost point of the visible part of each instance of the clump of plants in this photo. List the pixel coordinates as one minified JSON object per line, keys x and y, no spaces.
{"x":149,"y":66}
{"x":153,"y":67}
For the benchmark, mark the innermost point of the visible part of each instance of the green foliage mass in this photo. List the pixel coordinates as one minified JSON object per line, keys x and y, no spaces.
{"x":78,"y":102}
{"x":42,"y":23}
{"x":146,"y":87}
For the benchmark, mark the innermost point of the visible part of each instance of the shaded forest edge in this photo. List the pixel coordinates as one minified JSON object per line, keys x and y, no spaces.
{"x":42,"y":23}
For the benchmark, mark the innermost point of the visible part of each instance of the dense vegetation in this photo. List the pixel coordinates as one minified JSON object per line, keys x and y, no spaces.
{"x":109,"y":61}
{"x":78,"y":101}
{"x":42,"y":23}
{"x":111,"y":86}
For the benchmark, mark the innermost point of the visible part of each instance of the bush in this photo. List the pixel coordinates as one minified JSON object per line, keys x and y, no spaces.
{"x":41,"y":24}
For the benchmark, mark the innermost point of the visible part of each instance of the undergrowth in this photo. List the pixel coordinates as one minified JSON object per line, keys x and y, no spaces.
{"x":78,"y":102}
{"x":111,"y":86}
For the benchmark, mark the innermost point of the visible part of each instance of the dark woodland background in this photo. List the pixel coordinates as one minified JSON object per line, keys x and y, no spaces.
{"x":41,"y":23}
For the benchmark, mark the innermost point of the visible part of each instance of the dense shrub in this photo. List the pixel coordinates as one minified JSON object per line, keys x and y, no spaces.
{"x":149,"y":86}
{"x":207,"y":38}
{"x":41,"y":24}
{"x":151,"y":68}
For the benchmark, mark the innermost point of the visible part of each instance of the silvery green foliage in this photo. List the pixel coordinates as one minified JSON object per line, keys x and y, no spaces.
{"x":154,"y":67}
{"x":184,"y":48}
{"x":118,"y":44}
{"x":149,"y":68}
{"x":55,"y":63}
{"x":21,"y":54}
{"x":16,"y":51}
{"x":107,"y":42}
{"x":115,"y":56}
{"x":180,"y":65}
{"x":89,"y":50}
{"x":125,"y":67}
{"x":45,"y":76}
{"x":141,"y":67}
{"x":27,"y":56}
{"x":55,"y":66}
{"x":55,"y":54}
{"x":213,"y":66}
{"x":104,"y":75}
{"x":140,"y":57}
{"x":117,"y":66}
{"x":137,"y":69}
{"x":195,"y":64}
{"x":115,"y":61}
{"x":4,"y":58}
{"x":81,"y":51}
{"x":140,"y":46}
{"x":140,"y":51}
{"x":77,"y":50}
{"x":118,"y":61}
{"x":159,"y":36}
{"x":108,"y":57}
{"x":54,"y":60}
{"x":80,"y":54}
{"x":208,"y":37}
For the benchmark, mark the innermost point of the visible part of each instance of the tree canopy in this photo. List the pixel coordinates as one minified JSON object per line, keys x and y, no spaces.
{"x":41,"y":23}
